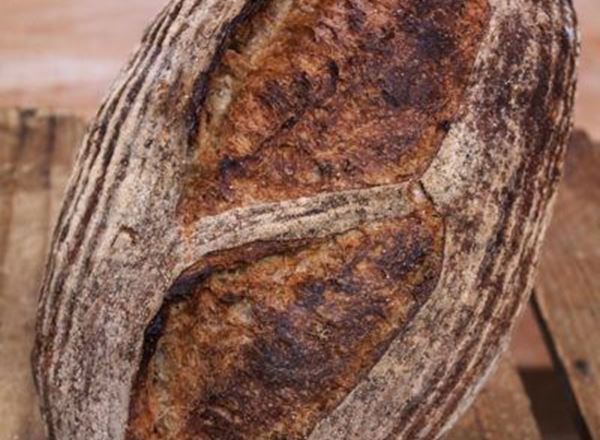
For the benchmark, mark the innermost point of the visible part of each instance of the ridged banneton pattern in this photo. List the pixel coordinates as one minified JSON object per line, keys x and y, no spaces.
{"x":303,"y":219}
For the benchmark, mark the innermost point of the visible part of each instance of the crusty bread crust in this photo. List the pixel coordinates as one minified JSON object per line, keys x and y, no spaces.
{"x":323,"y":96}
{"x":305,"y":219}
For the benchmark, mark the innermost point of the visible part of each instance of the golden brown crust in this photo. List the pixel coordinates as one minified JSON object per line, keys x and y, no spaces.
{"x":261,"y":341}
{"x":331,"y":95}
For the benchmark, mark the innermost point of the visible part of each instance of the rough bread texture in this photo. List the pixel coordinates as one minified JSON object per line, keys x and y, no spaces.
{"x":305,"y":219}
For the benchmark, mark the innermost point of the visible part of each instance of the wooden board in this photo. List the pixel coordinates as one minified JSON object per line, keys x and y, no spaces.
{"x":501,"y":411}
{"x":36,"y":152}
{"x":568,"y":287}
{"x":35,"y":158}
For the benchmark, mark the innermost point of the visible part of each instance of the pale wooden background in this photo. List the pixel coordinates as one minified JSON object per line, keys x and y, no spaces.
{"x":64,"y":53}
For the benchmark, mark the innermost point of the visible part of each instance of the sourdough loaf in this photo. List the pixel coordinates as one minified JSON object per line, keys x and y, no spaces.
{"x":305,"y":219}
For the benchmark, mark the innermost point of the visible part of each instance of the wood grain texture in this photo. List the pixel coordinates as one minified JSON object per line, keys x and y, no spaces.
{"x":501,"y":410}
{"x":568,"y":291}
{"x":35,"y":159}
{"x":492,"y":181}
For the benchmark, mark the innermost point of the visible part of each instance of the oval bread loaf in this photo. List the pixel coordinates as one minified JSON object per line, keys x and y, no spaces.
{"x":305,"y":219}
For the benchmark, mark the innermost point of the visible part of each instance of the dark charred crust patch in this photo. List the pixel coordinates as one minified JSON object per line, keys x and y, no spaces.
{"x":260,"y":341}
{"x":338,"y":95}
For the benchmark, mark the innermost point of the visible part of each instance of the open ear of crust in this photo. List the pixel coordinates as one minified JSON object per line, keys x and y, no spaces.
{"x":309,"y":219}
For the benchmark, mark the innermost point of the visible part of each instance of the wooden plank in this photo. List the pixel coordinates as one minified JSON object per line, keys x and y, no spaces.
{"x":501,"y":410}
{"x":35,"y":153}
{"x":568,"y":287}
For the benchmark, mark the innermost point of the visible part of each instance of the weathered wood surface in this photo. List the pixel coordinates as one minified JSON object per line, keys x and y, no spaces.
{"x":501,"y":411}
{"x":36,"y":150}
{"x":35,"y":161}
{"x":568,"y":288}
